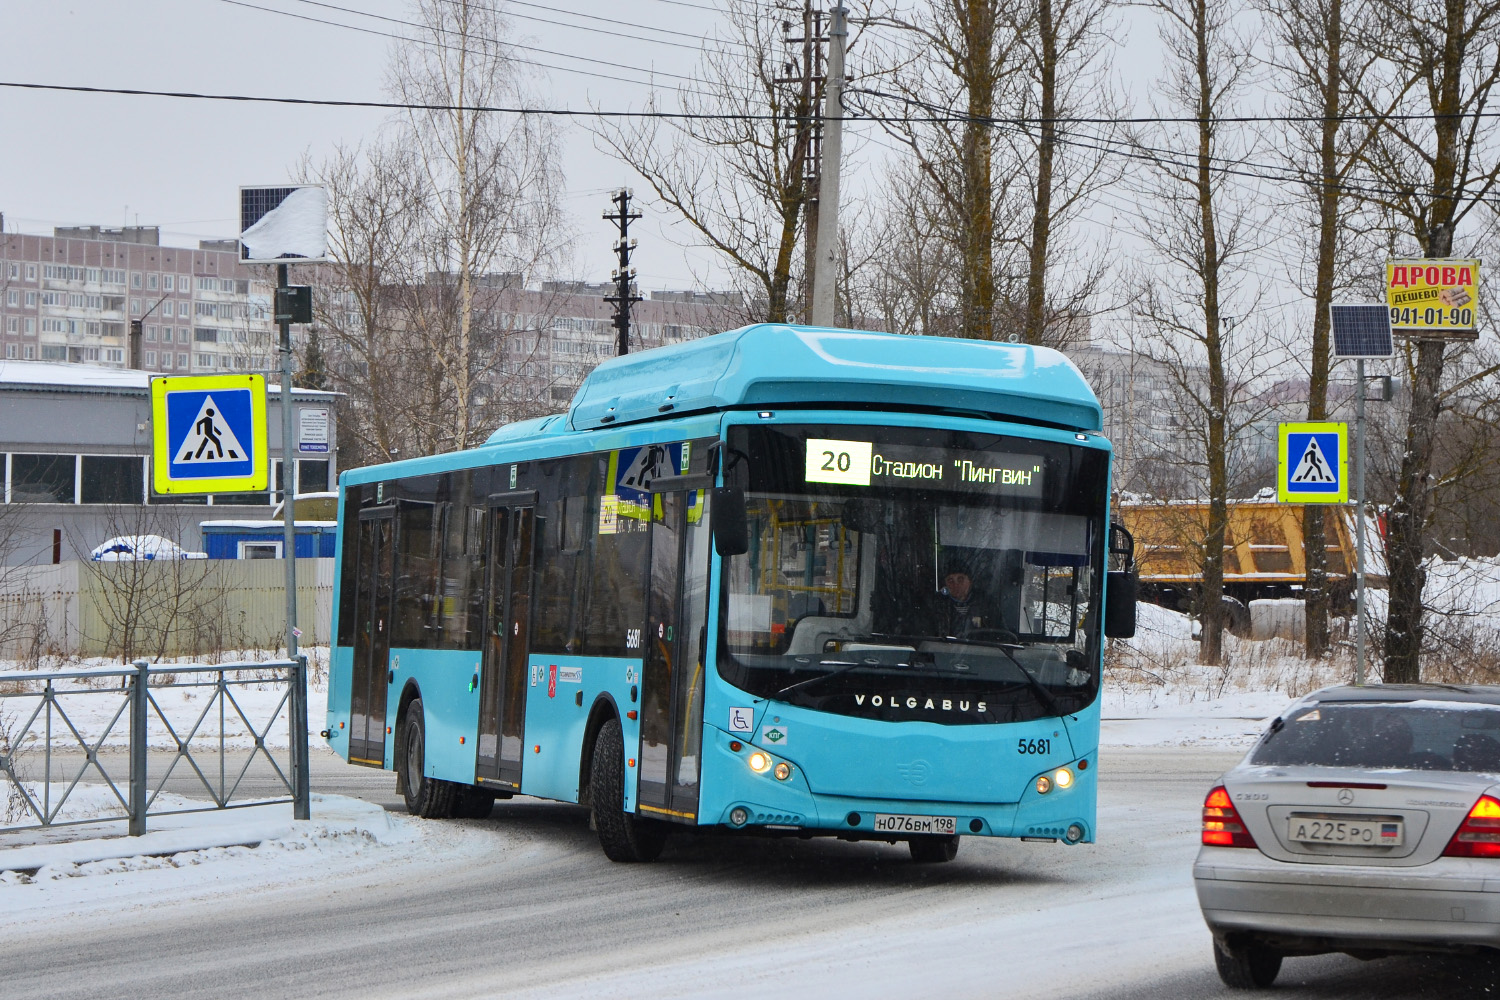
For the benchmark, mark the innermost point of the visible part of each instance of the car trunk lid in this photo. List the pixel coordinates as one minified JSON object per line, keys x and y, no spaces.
{"x":1329,"y":816}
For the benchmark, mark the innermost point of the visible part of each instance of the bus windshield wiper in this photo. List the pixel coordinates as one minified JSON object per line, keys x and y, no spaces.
{"x":840,"y":667}
{"x":1036,"y":686}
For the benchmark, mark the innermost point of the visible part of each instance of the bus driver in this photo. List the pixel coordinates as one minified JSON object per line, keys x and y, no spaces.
{"x":963,"y":608}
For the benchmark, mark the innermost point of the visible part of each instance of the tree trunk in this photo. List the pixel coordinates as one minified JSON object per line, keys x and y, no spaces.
{"x":1314,"y":531}
{"x":1211,"y":605}
{"x":1409,"y":514}
{"x":978,"y":222}
{"x":1041,"y":218}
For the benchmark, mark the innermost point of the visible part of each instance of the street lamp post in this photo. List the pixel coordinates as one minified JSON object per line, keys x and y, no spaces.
{"x":135,"y":333}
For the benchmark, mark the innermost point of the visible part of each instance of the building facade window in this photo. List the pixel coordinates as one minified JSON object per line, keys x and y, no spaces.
{"x":42,"y":478}
{"x":150,"y":357}
{"x":112,"y":479}
{"x":182,"y":361}
{"x":151,"y":282}
{"x":10,"y":350}
{"x":30,"y":352}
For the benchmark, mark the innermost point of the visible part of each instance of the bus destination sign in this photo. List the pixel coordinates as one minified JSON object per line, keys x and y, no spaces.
{"x":862,"y":463}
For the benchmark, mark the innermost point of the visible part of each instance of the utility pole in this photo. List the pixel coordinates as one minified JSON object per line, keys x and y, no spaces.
{"x":625,"y":294}
{"x":826,"y":264}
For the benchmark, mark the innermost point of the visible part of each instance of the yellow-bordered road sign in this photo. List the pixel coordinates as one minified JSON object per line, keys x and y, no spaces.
{"x":209,"y":434}
{"x":1312,"y":464}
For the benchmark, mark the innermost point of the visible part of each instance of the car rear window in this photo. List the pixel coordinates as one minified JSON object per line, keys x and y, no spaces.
{"x":1424,"y":735}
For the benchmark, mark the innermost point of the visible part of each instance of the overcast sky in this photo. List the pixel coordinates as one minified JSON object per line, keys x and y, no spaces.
{"x":71,"y":159}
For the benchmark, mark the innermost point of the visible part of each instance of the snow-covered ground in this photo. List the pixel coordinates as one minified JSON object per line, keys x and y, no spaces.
{"x":91,"y":704}
{"x":199,"y":855}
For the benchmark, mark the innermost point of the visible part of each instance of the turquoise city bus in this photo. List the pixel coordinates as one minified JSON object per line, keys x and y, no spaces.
{"x":783,"y":580}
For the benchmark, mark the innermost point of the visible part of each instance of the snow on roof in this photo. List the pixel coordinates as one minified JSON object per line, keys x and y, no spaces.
{"x":100,"y":378}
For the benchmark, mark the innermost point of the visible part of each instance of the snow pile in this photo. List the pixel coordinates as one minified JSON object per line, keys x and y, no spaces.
{"x":219,"y":852}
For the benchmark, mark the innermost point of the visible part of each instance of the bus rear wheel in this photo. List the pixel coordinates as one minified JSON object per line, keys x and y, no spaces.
{"x":430,"y":798}
{"x":623,"y":836}
{"x":933,"y":849}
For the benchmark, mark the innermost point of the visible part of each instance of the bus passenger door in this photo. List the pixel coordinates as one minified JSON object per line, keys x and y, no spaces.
{"x":502,"y":684}
{"x":674,"y":670}
{"x":375,"y":576}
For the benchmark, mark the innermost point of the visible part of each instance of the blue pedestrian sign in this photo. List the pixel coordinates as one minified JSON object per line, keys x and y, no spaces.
{"x":1313,"y":463}
{"x":209,"y":434}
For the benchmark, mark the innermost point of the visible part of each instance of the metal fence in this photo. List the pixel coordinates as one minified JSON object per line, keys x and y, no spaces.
{"x":58,"y":728}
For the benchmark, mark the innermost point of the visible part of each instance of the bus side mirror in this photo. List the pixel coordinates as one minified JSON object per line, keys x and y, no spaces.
{"x":1119,"y":605}
{"x":730,"y":525}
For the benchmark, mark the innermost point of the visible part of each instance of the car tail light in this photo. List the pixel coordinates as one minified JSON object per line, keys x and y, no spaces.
{"x":1478,"y":835}
{"x":1222,"y":826}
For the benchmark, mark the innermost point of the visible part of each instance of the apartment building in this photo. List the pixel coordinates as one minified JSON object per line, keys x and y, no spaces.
{"x":71,"y":297}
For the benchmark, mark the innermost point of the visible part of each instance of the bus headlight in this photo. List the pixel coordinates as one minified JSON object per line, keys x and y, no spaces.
{"x":783,"y":771}
{"x":1043,"y":784}
{"x":1063,"y":777}
{"x":759,"y":762}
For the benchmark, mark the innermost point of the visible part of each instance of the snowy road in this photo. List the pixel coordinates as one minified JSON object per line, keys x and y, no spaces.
{"x":524,"y":904}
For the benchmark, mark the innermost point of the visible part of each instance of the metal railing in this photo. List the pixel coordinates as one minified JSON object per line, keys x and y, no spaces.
{"x":79,"y":717}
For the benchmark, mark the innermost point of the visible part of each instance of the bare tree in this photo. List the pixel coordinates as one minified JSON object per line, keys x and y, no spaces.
{"x":1064,"y":59}
{"x":1434,"y":161}
{"x":489,"y":188}
{"x":956,"y":59}
{"x":1192,"y":223}
{"x":736,"y":173}
{"x":1323,"y":76}
{"x":437,"y":225}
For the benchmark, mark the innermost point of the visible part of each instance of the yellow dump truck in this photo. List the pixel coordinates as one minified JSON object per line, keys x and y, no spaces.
{"x":1263,"y":551}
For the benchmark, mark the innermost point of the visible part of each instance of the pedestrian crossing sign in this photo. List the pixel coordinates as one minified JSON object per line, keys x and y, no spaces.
{"x":1313,"y":463}
{"x":209,"y":434}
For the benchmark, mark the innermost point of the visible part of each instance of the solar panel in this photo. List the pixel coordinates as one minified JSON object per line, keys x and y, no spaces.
{"x":1361,"y":331}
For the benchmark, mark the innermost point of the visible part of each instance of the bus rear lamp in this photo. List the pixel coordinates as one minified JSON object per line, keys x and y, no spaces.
{"x":1074,"y":834}
{"x":1063,"y":777}
{"x":759,"y":762}
{"x":736,"y":746}
{"x":739,"y":815}
{"x":1043,"y":784}
{"x":1083,"y":765}
{"x":783,"y":771}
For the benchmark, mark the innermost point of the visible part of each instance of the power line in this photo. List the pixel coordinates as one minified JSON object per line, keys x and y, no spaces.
{"x":561,"y":24}
{"x":424,"y":41}
{"x":697,"y":39}
{"x":1014,"y":124}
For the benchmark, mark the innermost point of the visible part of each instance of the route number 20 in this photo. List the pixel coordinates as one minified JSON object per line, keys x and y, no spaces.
{"x":1027,"y":747}
{"x":845,"y":462}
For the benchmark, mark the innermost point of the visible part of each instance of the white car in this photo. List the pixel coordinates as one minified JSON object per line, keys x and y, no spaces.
{"x":1365,"y":821}
{"x":128,"y":548}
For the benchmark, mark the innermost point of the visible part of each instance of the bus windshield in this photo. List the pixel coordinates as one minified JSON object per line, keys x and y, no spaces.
{"x":915,"y":573}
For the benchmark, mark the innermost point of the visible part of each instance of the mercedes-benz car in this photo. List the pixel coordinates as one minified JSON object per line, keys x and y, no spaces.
{"x":1366,"y":820}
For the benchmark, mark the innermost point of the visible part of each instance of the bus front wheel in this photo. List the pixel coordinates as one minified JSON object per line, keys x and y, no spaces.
{"x":623,"y":836}
{"x":429,"y":798}
{"x":933,"y":849}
